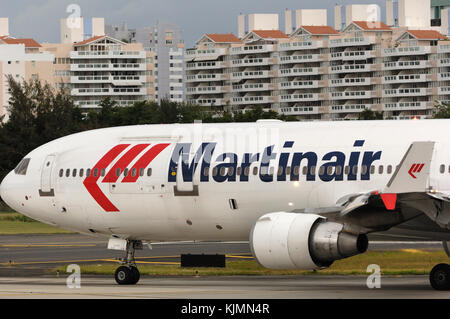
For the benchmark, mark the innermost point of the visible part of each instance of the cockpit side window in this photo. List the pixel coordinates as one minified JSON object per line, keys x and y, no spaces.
{"x":21,"y":169}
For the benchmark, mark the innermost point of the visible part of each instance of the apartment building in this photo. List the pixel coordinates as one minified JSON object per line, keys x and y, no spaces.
{"x":165,"y":41}
{"x":102,"y":67}
{"x":23,"y":60}
{"x":317,"y":73}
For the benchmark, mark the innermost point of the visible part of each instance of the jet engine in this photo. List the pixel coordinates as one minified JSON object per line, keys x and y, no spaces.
{"x":302,"y":241}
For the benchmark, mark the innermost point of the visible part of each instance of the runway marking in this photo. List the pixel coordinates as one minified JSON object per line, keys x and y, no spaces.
{"x":44,"y":245}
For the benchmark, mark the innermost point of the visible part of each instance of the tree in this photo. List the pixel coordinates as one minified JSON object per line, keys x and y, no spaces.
{"x":37,"y":114}
{"x":368,"y":115}
{"x":442,"y":111}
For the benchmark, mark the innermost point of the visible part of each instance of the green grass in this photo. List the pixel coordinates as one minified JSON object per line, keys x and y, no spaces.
{"x":12,"y":223}
{"x":391,"y":263}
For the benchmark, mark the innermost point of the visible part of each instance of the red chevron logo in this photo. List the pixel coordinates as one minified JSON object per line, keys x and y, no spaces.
{"x":415,"y":168}
{"x":113,"y":174}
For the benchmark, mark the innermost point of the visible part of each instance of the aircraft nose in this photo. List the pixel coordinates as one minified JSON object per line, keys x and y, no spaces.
{"x":5,"y":192}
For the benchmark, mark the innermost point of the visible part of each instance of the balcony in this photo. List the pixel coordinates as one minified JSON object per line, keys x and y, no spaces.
{"x":207,"y":77}
{"x":108,"y":67}
{"x":402,"y":106}
{"x":299,"y":71}
{"x":348,"y":108}
{"x":253,"y":62}
{"x":252,"y":100}
{"x":206,"y":65}
{"x":108,"y":91}
{"x":288,"y":85}
{"x":444,"y":90}
{"x":405,"y":65}
{"x":252,"y":87}
{"x":300,"y":110}
{"x":300,"y":58}
{"x":237,"y":76}
{"x":207,"y":90}
{"x":300,"y":45}
{"x":406,"y":51}
{"x":299,"y":97}
{"x":116,"y":80}
{"x":204,"y":54}
{"x":351,"y":95}
{"x":345,"y":42}
{"x":444,"y":62}
{"x":250,"y":49}
{"x":351,"y":55}
{"x":405,"y":78}
{"x":349,"y":82}
{"x":107,"y":54}
{"x":405,"y":92}
{"x":209,"y":102}
{"x":348,"y":68}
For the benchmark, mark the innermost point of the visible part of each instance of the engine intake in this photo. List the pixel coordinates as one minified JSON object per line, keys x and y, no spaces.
{"x":302,"y":241}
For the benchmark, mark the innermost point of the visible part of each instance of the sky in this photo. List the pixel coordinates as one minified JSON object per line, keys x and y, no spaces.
{"x":39,"y":19}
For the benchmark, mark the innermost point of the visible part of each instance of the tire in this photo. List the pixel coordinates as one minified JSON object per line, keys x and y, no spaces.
{"x":124,"y":275}
{"x":440,"y":277}
{"x":135,"y":274}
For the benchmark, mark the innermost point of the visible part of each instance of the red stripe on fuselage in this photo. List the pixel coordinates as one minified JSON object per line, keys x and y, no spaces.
{"x":91,"y":182}
{"x":123,"y":162}
{"x":144,"y":161}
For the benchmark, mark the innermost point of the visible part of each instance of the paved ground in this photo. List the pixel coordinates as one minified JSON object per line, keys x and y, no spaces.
{"x":286,"y":287}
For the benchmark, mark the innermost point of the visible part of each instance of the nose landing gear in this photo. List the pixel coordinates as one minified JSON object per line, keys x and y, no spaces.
{"x":128,"y":273}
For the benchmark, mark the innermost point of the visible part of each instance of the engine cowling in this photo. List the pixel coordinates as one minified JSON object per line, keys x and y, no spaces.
{"x":302,"y":241}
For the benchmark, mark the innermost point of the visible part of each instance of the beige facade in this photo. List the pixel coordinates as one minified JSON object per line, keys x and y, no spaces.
{"x":103,"y":67}
{"x":318,"y":73}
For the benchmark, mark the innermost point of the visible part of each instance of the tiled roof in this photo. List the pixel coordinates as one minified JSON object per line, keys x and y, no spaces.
{"x":427,"y":34}
{"x":270,"y":34}
{"x":372,"y":25}
{"x":29,"y":43}
{"x":313,"y":29}
{"x":223,"y":38}
{"x":90,"y":40}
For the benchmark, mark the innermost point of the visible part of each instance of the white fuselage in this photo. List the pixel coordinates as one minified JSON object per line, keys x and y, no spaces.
{"x":222,"y":199}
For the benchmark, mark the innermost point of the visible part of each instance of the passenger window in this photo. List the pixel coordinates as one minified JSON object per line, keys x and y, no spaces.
{"x":133,"y":172}
{"x":88,"y":172}
{"x":61,"y":173}
{"x":380,"y":169}
{"x":355,"y":170}
{"x":255,"y":170}
{"x":347,"y":170}
{"x":280,"y":171}
{"x":222,"y":171}
{"x":372,"y":169}
{"x":247,"y":171}
{"x":288,"y":170}
{"x":81,"y":172}
{"x":321,"y":170}
{"x":95,"y":172}
{"x":118,"y":171}
{"x":149,"y":172}
{"x":305,"y":170}
{"x":74,"y":172}
{"x":125,"y":172}
{"x":296,"y":170}
{"x":313,"y":170}
{"x":215,"y":170}
{"x":239,"y":171}
{"x":206,"y":171}
{"x":67,"y":172}
{"x":103,"y":172}
{"x":338,"y":170}
{"x":230,"y":171}
{"x":364,"y":169}
{"x":442,"y":169}
{"x":329,"y":170}
{"x":389,"y":169}
{"x":141,"y":172}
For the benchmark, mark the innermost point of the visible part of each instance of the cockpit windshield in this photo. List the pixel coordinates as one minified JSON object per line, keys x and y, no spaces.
{"x":21,"y":169}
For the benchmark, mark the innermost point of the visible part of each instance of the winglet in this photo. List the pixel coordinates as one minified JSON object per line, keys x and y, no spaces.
{"x":412,"y":175}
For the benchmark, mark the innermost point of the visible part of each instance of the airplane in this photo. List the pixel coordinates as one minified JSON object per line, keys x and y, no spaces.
{"x":303,"y":194}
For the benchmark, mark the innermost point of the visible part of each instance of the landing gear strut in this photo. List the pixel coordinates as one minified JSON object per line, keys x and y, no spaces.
{"x":128,"y":273}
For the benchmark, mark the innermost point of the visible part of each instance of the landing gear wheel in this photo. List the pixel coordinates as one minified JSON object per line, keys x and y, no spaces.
{"x":440,"y":277}
{"x":124,"y":275}
{"x":135,"y":274}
